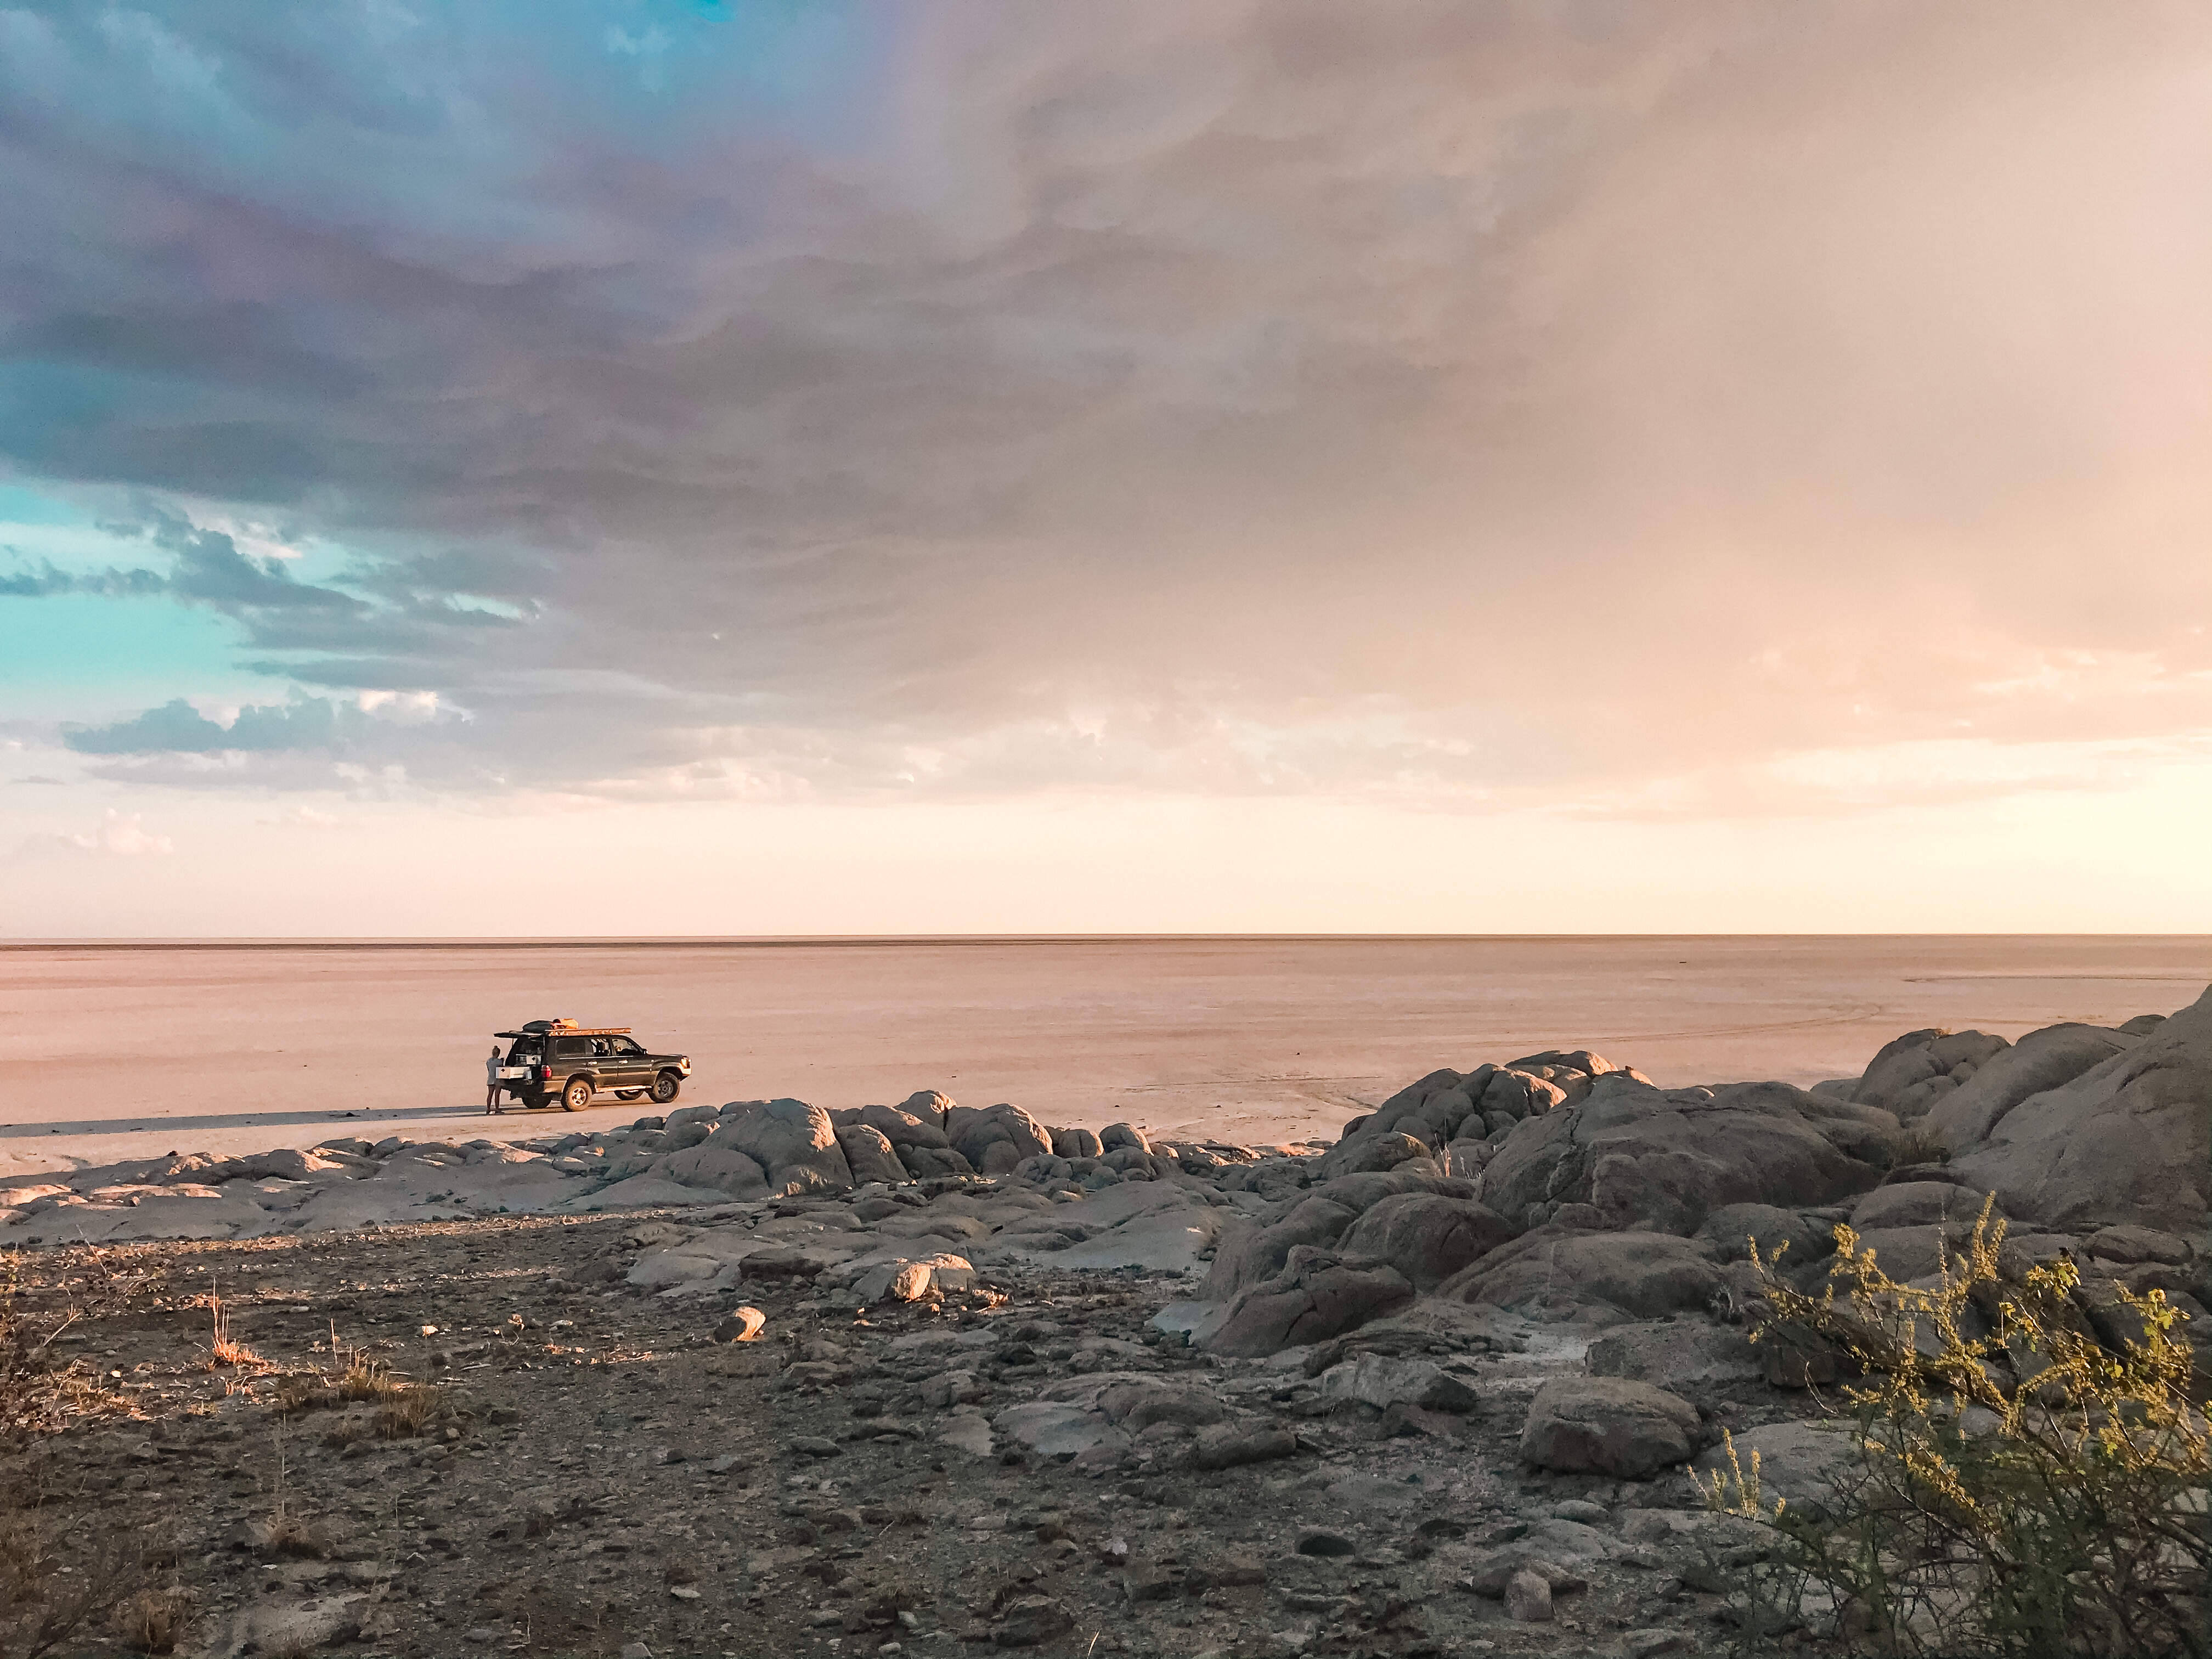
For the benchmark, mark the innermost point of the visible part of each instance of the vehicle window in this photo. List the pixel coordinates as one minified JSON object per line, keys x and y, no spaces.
{"x":571,"y":1048}
{"x":599,"y":1047}
{"x":627,"y":1046}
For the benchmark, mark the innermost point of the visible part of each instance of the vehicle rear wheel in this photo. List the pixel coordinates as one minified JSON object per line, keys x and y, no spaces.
{"x":665,"y":1088}
{"x":577,"y":1095}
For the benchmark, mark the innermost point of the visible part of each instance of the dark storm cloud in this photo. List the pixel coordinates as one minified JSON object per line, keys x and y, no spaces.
{"x":1439,"y":400}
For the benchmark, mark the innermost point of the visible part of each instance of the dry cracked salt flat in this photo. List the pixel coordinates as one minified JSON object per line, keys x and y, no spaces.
{"x":766,"y":1379}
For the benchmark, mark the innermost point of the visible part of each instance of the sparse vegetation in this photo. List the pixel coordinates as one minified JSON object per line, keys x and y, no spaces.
{"x":224,"y":1349}
{"x":155,"y":1621}
{"x":58,"y":1580}
{"x":405,"y":1408}
{"x":2020,"y":1491}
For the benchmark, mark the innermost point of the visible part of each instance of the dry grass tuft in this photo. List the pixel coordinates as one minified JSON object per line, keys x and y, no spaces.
{"x":155,"y":1621}
{"x":413,"y":1409}
{"x":404,"y":1408}
{"x":225,"y":1350}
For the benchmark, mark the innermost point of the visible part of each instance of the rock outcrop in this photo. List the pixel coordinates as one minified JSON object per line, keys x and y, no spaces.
{"x":2128,"y":1140}
{"x":1666,"y":1159}
{"x":2041,"y":1060}
{"x":793,"y":1142}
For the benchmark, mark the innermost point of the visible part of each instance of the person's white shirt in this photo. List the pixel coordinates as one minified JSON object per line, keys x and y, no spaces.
{"x":491,"y":1065}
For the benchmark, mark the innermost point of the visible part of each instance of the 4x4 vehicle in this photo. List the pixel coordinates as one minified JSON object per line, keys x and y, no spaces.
{"x":559,"y":1062}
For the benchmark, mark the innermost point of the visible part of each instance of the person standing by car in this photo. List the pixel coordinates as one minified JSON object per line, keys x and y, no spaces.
{"x":492,"y":1082}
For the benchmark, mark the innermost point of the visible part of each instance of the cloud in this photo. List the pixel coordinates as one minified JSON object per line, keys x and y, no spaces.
{"x":1467,"y":404}
{"x":120,"y":835}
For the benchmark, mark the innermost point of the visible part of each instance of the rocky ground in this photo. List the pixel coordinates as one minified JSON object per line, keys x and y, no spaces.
{"x":1029,"y":1463}
{"x":1434,"y":1389}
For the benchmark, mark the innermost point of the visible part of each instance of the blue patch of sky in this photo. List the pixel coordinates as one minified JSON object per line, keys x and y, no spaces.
{"x":92,"y":657}
{"x":85,"y":657}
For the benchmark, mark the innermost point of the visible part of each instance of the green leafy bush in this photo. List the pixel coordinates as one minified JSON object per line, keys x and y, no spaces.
{"x":2017,"y":1490}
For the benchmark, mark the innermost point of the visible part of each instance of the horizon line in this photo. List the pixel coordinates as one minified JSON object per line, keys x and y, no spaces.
{"x":774,"y":941}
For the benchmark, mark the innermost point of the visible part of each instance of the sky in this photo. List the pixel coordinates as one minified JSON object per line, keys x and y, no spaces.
{"x":790,"y":466}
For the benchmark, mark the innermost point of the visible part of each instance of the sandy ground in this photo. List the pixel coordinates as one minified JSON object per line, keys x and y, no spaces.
{"x":120,"y":1053}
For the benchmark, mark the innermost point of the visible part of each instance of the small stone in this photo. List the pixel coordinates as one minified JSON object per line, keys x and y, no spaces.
{"x":635,"y":1651}
{"x":1225,"y":1446}
{"x":1030,"y":1620}
{"x":813,"y":1445}
{"x":1315,"y":1541}
{"x":1650,"y":1643}
{"x":1145,"y":1580}
{"x":741,"y":1325}
{"x":684,"y":1592}
{"x":1529,"y":1597}
{"x":481,"y":1633}
{"x":1581,"y":1509}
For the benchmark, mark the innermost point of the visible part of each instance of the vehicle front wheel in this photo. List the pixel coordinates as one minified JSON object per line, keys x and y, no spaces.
{"x":665,"y":1088}
{"x":577,"y":1095}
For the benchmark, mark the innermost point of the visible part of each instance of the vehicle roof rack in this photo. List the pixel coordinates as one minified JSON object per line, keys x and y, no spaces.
{"x":539,"y":1028}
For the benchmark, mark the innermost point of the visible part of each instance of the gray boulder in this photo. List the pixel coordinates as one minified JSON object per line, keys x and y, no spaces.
{"x":1916,"y":1204}
{"x":1371,"y":1150}
{"x":1249,"y":1252}
{"x":1075,"y":1143}
{"x":902,"y":1127}
{"x":1518,"y":1094}
{"x":1573,"y":1059}
{"x":926,"y":1162}
{"x":1431,"y":1099}
{"x":1610,"y":1277}
{"x":1683,"y":1356}
{"x":1426,"y":1237}
{"x":925,"y":1104}
{"x":1380,"y":1380}
{"x":793,"y":1142}
{"x":1911,"y":1071}
{"x":714,"y":1165}
{"x":2128,"y":1141}
{"x":1607,"y":1425}
{"x":1800,"y":1463}
{"x":1730,"y":1231}
{"x":2041,"y":1060}
{"x":868,"y":1154}
{"x":1115,"y":1136}
{"x":1315,"y":1296}
{"x":1666,"y":1159}
{"x":1136,"y":1406}
{"x":974,"y":1134}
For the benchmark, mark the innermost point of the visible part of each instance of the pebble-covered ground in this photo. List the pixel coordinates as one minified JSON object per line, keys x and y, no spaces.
{"x":1027,"y":1463}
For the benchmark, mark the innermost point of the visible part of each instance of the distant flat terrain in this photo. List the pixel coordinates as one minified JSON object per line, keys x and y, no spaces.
{"x":128,"y":1051}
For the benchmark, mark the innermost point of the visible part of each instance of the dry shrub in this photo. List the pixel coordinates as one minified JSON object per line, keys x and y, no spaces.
{"x":155,"y":1621}
{"x":38,"y":1395}
{"x":415,"y":1409}
{"x":57,"y":1584}
{"x":2019,"y":1491}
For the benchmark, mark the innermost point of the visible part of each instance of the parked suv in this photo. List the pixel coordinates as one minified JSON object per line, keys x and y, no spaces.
{"x":558,"y":1062}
